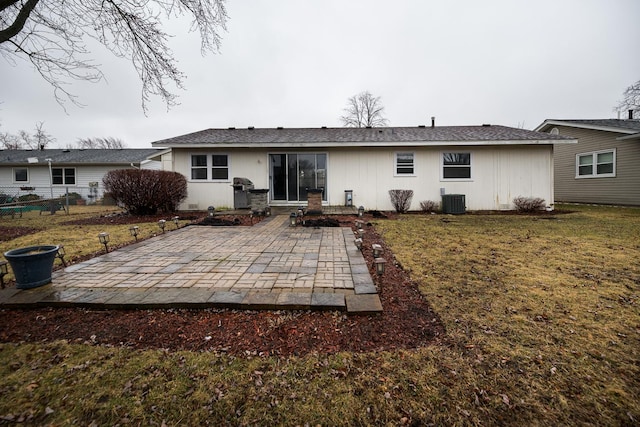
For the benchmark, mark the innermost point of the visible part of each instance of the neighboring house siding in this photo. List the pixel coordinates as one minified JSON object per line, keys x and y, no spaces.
{"x":623,"y":189}
{"x":499,"y":174}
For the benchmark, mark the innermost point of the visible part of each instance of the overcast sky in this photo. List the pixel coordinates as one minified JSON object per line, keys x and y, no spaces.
{"x":294,"y":63}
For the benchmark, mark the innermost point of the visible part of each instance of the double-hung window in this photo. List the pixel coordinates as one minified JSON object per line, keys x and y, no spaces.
{"x":405,"y":164}
{"x":210,"y":167}
{"x":456,"y":166}
{"x":596,"y":164}
{"x":63,"y":176}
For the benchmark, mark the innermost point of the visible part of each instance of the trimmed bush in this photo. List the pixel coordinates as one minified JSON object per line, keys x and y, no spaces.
{"x":529,"y":204}
{"x":29,"y":197}
{"x":401,"y":199}
{"x":428,"y":206}
{"x":145,"y":192}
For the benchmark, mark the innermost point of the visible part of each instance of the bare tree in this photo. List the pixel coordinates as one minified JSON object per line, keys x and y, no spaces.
{"x":40,"y":139}
{"x":364,"y":110}
{"x":105,"y":143}
{"x":51,"y":35}
{"x":630,"y":100}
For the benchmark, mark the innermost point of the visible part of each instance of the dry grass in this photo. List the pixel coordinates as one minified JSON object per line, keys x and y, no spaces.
{"x":543,"y":328}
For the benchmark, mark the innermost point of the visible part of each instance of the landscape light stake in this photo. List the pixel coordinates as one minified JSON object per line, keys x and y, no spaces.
{"x":377,"y":250}
{"x":176,"y":221}
{"x":3,"y":271}
{"x":104,"y":239}
{"x":292,"y":219}
{"x":134,"y":231}
{"x":360,"y":211}
{"x":380,"y":262}
{"x":61,"y":253}
{"x":358,"y":243}
{"x":162,"y":224}
{"x":211,"y":210}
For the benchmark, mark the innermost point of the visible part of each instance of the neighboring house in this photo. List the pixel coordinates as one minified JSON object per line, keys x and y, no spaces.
{"x":73,"y":170}
{"x":603,"y":166}
{"x":490,"y":165}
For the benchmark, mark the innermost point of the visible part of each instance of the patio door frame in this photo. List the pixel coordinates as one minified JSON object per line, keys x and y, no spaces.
{"x":287,"y":176}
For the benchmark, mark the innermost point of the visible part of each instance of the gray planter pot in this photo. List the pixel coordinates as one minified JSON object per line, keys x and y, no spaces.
{"x":33,"y":265}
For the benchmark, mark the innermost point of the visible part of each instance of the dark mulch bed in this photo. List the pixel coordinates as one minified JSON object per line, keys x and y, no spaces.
{"x":406,"y":322}
{"x":10,"y":233}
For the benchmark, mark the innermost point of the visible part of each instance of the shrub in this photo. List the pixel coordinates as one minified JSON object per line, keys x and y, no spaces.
{"x":428,"y":206}
{"x":144,"y":192}
{"x":401,"y":199}
{"x":529,"y":204}
{"x":29,"y":197}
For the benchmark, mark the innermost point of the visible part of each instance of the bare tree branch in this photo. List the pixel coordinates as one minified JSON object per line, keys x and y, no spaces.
{"x":364,"y":110}
{"x":104,"y":143}
{"x":630,"y":100}
{"x":51,"y":35}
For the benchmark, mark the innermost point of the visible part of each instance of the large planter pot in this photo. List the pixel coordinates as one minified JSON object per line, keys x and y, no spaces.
{"x":32,"y":266}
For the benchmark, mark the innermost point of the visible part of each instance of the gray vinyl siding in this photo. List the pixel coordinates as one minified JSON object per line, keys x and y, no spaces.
{"x":623,"y":189}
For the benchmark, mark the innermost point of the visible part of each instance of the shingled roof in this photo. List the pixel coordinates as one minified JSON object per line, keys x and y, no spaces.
{"x":123,"y":156}
{"x":629,"y":126}
{"x":382,"y":136}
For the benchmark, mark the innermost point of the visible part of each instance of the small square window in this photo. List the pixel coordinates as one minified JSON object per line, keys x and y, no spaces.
{"x":21,"y":175}
{"x":405,"y":164}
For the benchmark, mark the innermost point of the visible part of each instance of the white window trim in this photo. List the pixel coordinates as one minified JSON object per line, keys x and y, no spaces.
{"x":395,"y":163}
{"x":209,"y":155}
{"x":442,"y":178}
{"x":64,"y":181}
{"x":13,"y":176}
{"x":594,"y":172}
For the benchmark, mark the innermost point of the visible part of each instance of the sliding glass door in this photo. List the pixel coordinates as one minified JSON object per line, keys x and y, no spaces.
{"x":292,"y":174}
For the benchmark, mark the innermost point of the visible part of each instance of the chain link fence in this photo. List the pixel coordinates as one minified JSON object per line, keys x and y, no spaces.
{"x":16,"y":200}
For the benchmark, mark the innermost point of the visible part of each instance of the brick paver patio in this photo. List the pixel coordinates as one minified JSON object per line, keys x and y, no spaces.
{"x":267,"y":266}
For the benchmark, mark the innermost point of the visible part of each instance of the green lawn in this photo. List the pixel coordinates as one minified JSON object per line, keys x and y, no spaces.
{"x":543,"y":328}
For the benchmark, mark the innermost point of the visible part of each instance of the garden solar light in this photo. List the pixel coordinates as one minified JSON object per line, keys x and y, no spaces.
{"x":61,"y":253}
{"x":380,"y":262}
{"x":3,"y":270}
{"x":300,"y":211}
{"x":361,"y":232}
{"x":361,"y":211}
{"x":377,"y":250}
{"x":292,"y":219}
{"x":104,"y":239}
{"x":176,"y":221}
{"x":211,"y":209}
{"x":134,"y":231}
{"x":359,"y":224}
{"x":162,"y":223}
{"x":358,"y":243}
{"x":267,"y":211}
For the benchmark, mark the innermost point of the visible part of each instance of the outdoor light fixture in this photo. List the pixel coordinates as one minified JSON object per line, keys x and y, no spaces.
{"x":377,"y":250}
{"x":358,"y":243}
{"x":292,"y":219}
{"x":361,"y":232}
{"x":61,"y":253}
{"x":162,"y":224}
{"x":300,"y":211}
{"x":360,"y":211}
{"x":211,"y":209}
{"x":176,"y":221}
{"x":134,"y":231}
{"x":267,"y":211}
{"x":380,"y":262}
{"x":3,"y":270}
{"x":104,"y":239}
{"x":359,"y":224}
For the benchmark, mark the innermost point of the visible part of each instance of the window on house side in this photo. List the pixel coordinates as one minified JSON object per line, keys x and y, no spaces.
{"x":63,"y":176}
{"x":21,"y":175}
{"x":456,"y":165}
{"x":404,"y":163}
{"x":596,"y":164}
{"x":210,"y":167}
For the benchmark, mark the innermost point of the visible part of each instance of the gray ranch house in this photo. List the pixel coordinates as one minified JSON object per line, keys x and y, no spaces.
{"x":56,"y":171}
{"x":603,"y":167}
{"x":490,"y":165}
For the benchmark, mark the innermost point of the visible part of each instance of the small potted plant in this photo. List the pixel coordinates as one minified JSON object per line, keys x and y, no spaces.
{"x":32,"y":266}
